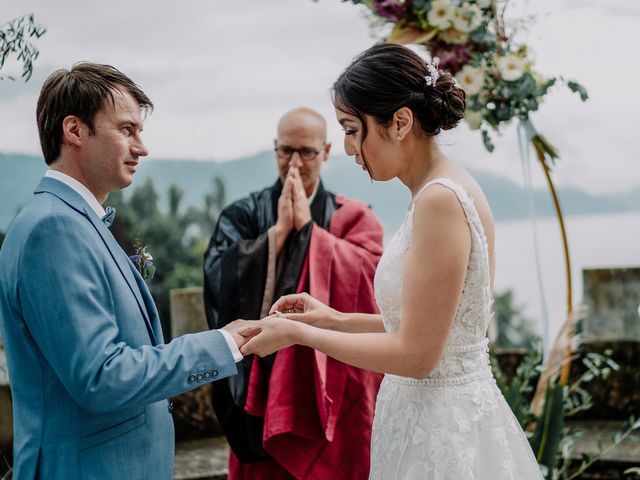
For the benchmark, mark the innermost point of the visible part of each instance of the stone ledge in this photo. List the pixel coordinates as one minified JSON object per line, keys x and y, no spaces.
{"x":594,"y":431}
{"x":4,"y":370}
{"x":204,"y":459}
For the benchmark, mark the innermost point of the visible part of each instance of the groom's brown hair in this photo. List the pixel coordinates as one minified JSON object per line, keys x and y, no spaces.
{"x":82,"y":92}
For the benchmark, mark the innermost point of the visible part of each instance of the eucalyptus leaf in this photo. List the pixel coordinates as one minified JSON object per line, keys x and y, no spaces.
{"x":577,"y":88}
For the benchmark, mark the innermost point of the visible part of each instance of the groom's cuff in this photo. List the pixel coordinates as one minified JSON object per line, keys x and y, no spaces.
{"x":235,"y":351}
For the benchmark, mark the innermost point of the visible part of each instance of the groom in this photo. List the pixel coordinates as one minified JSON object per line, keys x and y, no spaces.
{"x":89,"y":370}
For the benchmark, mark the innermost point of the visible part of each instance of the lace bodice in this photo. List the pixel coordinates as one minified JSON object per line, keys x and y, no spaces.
{"x":465,"y":355}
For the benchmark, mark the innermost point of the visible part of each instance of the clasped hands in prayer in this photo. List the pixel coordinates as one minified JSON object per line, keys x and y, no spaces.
{"x":284,"y":326}
{"x":294,"y":211}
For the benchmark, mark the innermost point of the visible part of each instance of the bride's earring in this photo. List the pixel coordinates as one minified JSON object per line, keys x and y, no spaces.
{"x":398,"y":137}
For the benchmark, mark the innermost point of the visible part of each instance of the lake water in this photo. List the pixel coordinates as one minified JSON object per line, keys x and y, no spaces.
{"x":594,"y":241}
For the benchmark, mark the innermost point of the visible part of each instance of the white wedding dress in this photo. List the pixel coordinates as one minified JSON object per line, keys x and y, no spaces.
{"x":454,"y":424}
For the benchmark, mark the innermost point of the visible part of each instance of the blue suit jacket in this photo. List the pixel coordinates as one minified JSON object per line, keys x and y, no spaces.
{"x":88,"y":368}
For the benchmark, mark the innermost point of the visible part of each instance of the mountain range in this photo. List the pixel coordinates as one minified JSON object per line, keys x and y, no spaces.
{"x":19,"y":175}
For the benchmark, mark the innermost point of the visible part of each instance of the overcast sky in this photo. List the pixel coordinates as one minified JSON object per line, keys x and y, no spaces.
{"x":221,"y":74}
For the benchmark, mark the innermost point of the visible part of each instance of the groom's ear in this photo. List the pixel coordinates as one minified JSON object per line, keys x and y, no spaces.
{"x":402,"y":123}
{"x":72,"y":131}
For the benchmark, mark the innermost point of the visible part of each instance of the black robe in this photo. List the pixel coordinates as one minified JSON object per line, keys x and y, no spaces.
{"x":235,"y":272}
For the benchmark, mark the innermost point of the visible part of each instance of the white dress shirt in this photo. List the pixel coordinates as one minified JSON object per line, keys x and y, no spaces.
{"x":91,"y":199}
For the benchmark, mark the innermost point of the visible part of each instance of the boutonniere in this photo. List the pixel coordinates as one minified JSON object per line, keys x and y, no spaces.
{"x":143,"y":261}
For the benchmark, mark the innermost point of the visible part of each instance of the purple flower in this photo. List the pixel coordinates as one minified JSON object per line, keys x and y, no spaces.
{"x":452,"y":57}
{"x":143,"y":261}
{"x":394,"y":10}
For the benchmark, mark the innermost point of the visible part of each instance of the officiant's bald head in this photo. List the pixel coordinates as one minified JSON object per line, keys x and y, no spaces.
{"x":302,"y":142}
{"x":304,"y":116}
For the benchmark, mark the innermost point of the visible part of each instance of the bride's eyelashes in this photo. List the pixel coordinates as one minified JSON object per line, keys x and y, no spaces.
{"x":349,"y":131}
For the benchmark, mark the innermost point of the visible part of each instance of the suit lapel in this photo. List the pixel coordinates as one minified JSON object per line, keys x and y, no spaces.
{"x":149,"y":303}
{"x":125,"y":266}
{"x":75,"y":201}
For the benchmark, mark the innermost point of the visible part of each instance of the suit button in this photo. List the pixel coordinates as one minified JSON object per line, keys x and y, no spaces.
{"x":170,"y":407}
{"x":192,"y":379}
{"x":207,"y":375}
{"x":214,"y":373}
{"x":199,"y":378}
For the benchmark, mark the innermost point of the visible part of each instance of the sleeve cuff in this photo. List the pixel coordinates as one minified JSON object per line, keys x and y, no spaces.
{"x":235,"y":351}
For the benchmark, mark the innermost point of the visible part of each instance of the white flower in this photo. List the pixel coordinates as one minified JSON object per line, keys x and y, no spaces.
{"x":539,"y":78}
{"x":473,"y":119}
{"x":485,"y":3}
{"x":454,"y":37}
{"x":511,"y":67}
{"x":467,"y":18}
{"x":441,"y":14}
{"x":471,"y":79}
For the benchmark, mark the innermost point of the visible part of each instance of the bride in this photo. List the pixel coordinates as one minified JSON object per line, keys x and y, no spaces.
{"x":439,"y":413}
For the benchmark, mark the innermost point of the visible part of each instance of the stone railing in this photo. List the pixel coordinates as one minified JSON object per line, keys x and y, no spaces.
{"x":201,"y":450}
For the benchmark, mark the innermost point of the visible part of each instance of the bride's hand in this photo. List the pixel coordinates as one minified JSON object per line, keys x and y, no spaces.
{"x":302,"y":307}
{"x":268,"y":335}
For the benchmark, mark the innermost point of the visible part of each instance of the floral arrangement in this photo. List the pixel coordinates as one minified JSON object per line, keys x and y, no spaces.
{"x":143,"y":261}
{"x":468,"y":39}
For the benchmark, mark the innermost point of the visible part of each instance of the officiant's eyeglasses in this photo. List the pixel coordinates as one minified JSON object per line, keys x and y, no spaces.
{"x":306,"y":153}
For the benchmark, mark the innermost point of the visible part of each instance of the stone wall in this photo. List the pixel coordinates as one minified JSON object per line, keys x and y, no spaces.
{"x":612,"y":299}
{"x":611,"y":323}
{"x":193,"y":414}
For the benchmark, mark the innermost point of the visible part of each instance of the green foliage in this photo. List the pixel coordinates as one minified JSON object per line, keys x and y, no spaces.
{"x":552,"y":441}
{"x":519,"y":392}
{"x":549,"y":427}
{"x":514,"y":330}
{"x":486,"y":139}
{"x":177,"y":241}
{"x":144,"y":201}
{"x":579,"y":89}
{"x":14,"y":39}
{"x":5,"y":468}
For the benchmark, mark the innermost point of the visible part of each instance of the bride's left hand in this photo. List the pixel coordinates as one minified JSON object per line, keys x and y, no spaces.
{"x":270,"y":334}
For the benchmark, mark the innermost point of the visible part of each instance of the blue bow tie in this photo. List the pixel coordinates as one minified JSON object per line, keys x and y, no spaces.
{"x":109,"y":216}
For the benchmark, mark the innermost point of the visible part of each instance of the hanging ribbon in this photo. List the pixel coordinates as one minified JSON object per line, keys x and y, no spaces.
{"x":526,"y":132}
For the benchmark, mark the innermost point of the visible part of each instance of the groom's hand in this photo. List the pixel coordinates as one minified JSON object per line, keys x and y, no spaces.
{"x":269,"y":335}
{"x":234,"y":329}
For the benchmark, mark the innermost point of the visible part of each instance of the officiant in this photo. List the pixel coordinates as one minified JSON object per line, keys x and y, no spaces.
{"x":297,"y":413}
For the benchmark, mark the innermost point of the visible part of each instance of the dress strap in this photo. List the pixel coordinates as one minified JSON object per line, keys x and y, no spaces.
{"x":470,"y":211}
{"x":463,"y":197}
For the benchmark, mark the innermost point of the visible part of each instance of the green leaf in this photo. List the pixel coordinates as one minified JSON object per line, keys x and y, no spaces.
{"x":549,"y":425}
{"x":514,"y":396}
{"x":577,"y":88}
{"x":486,"y":139}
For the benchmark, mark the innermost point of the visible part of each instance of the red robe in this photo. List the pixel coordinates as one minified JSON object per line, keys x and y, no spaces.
{"x":319,"y":426}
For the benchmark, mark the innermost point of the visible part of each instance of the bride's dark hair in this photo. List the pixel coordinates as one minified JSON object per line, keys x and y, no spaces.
{"x":387,"y":77}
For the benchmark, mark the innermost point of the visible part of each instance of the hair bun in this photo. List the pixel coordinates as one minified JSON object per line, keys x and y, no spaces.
{"x":387,"y":77}
{"x":446,"y":103}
